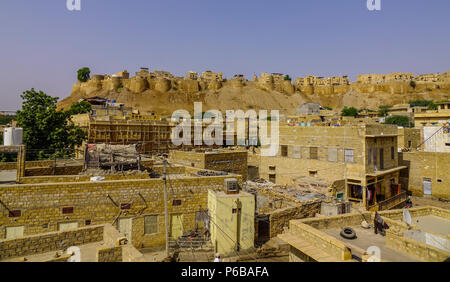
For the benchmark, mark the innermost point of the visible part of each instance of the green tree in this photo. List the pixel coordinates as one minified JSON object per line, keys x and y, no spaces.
{"x":80,"y":108}
{"x":423,"y":103}
{"x":287,"y":77}
{"x":432,"y":106}
{"x":399,"y":120}
{"x":420,"y":103}
{"x":384,"y":110}
{"x":47,"y":130}
{"x":349,"y":112}
{"x":83,"y":74}
{"x":6,"y":119}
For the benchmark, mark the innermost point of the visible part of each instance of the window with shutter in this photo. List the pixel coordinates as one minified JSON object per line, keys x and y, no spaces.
{"x":332,"y":155}
{"x":348,"y":156}
{"x":296,"y":154}
{"x":313,"y":153}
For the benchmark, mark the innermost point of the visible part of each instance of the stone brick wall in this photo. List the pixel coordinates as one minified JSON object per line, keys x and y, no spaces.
{"x":280,"y":218}
{"x":409,"y":136}
{"x":434,"y":166}
{"x":8,"y":166}
{"x":415,"y":248}
{"x":234,"y":162}
{"x":29,"y":164}
{"x":113,"y":251}
{"x":131,"y":254}
{"x":337,"y":221}
{"x":100,"y":202}
{"x":79,"y":178}
{"x":414,"y":212}
{"x":299,"y":159}
{"x":226,"y":160}
{"x":59,"y":170}
{"x":110,"y":255}
{"x":49,"y":242}
{"x":320,"y":240}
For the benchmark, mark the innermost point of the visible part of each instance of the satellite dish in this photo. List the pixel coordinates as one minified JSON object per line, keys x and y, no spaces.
{"x":406,"y":216}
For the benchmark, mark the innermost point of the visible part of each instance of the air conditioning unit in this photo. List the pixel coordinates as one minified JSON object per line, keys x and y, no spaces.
{"x":231,"y":186}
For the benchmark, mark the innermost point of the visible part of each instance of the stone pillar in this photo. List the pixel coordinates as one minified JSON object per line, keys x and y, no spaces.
{"x":364,"y":197}
{"x":20,"y":163}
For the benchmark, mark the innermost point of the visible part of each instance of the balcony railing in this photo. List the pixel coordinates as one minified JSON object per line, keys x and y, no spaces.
{"x":392,"y":201}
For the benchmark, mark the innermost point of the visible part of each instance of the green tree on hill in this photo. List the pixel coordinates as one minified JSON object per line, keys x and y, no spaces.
{"x":287,"y":77}
{"x":80,"y":108}
{"x":349,"y":112}
{"x":83,"y":74}
{"x":384,"y":110}
{"x":423,"y":103}
{"x":399,"y":121}
{"x":47,"y":130}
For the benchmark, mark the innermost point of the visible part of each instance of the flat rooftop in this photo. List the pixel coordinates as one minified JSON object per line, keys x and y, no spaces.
{"x":366,"y":238}
{"x":432,"y":223}
{"x":8,"y":176}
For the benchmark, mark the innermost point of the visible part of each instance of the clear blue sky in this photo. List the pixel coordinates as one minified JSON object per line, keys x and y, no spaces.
{"x":42,"y":44}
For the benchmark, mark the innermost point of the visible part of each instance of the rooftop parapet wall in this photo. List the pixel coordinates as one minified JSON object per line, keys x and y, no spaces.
{"x":416,"y":212}
{"x":336,"y":221}
{"x":233,"y":161}
{"x":279,"y":219}
{"x":29,"y":164}
{"x":320,"y":240}
{"x":48,"y":242}
{"x":415,"y":248}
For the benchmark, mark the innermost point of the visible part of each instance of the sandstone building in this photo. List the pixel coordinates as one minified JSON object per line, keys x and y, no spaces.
{"x":364,"y":156}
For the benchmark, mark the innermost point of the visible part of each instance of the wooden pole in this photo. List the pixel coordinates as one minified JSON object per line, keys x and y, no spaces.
{"x":166,"y":213}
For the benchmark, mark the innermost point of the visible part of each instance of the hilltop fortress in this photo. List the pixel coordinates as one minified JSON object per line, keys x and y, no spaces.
{"x":163,"y":81}
{"x":270,"y":90}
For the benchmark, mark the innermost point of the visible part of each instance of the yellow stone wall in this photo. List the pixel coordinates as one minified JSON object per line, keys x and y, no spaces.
{"x":51,"y":241}
{"x":435,"y":166}
{"x":299,"y":140}
{"x":226,"y":160}
{"x":41,"y":204}
{"x":409,"y":138}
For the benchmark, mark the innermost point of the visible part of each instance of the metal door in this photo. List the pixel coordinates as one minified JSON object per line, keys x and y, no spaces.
{"x":125,"y":227}
{"x":176,"y":225}
{"x":427,"y":186}
{"x":381,"y":158}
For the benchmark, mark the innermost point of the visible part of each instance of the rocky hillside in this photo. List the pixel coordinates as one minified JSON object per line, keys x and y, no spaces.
{"x":250,"y":96}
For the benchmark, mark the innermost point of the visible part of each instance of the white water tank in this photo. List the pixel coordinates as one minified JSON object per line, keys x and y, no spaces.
{"x":12,"y":136}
